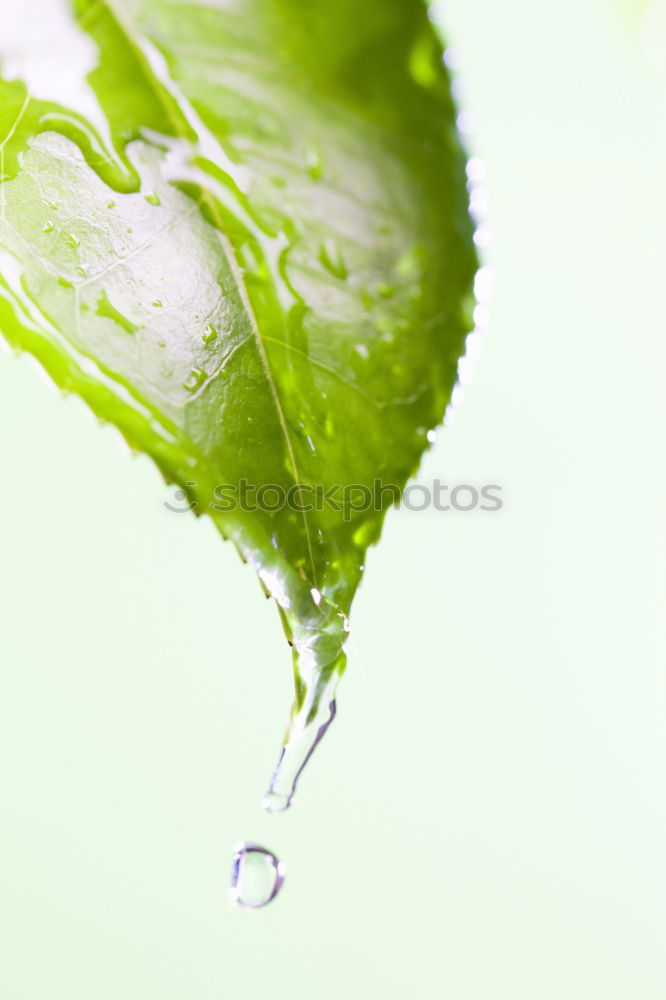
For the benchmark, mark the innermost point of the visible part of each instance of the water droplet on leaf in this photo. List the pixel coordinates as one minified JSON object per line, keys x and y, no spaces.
{"x":331,"y":257}
{"x":313,"y":161}
{"x":106,"y":308}
{"x":194,"y":380}
{"x":423,"y":61}
{"x":209,"y":334}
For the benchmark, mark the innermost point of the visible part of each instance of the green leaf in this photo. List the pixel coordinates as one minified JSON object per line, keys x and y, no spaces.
{"x":239,"y":230}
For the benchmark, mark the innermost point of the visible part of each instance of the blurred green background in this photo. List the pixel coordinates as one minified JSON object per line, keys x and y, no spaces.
{"x":486,"y":819}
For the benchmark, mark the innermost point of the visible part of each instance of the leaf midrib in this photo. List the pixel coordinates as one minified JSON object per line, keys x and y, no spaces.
{"x":133,"y":39}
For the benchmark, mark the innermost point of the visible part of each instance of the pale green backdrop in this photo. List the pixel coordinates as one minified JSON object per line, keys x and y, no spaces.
{"x":486,"y":820}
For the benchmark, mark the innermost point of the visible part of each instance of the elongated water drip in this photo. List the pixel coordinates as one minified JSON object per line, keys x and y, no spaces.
{"x":295,"y":754}
{"x":319,"y":662}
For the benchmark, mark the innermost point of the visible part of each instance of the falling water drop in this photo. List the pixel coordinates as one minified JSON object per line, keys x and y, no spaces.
{"x":256,"y":876}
